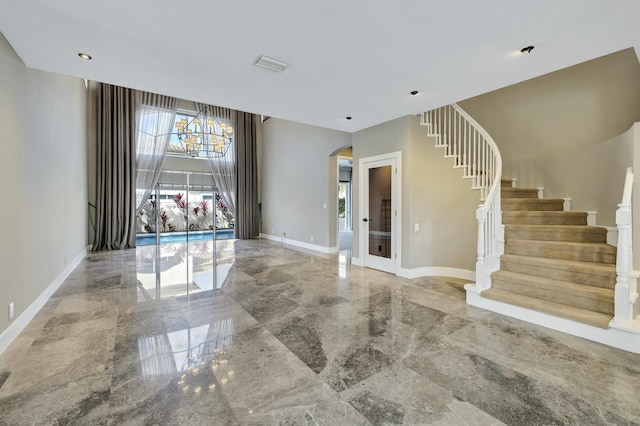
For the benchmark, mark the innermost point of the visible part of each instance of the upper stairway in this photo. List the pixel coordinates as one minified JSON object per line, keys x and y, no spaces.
{"x":553,"y":262}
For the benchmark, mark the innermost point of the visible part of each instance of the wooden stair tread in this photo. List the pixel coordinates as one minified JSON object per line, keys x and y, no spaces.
{"x":595,"y":319}
{"x":532,"y":204}
{"x":602,"y":269}
{"x":583,"y":233}
{"x":516,"y":200}
{"x":566,"y":250}
{"x":584,"y":273}
{"x":546,"y":212}
{"x":510,"y":192}
{"x":535,"y":199}
{"x":558,"y":228}
{"x":567,"y":245}
{"x":543,"y":217}
{"x":563,"y":287}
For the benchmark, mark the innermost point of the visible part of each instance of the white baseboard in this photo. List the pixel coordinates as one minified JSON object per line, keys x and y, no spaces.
{"x":356,"y":261}
{"x":16,"y":327}
{"x":434,"y":271}
{"x":302,"y":244}
{"x":621,"y":336}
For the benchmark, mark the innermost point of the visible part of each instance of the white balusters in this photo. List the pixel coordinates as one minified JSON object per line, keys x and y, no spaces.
{"x":476,"y":152}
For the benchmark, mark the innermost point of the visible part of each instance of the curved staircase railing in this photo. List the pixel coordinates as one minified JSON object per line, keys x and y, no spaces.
{"x":475,"y":151}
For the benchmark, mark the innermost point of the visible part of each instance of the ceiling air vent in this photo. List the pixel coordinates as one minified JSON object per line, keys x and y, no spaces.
{"x":271,"y":64}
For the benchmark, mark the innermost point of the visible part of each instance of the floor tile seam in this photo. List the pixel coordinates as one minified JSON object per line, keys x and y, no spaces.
{"x":283,"y":297}
{"x":399,"y":364}
{"x":357,"y":299}
{"x":458,"y":394}
{"x":66,"y":328}
{"x":86,"y":314}
{"x":515,"y":364}
{"x":457,"y":313}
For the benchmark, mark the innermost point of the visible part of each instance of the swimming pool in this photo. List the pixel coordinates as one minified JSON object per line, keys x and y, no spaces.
{"x":181,"y":237}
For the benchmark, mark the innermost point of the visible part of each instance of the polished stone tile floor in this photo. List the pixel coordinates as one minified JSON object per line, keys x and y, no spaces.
{"x":253,"y":333}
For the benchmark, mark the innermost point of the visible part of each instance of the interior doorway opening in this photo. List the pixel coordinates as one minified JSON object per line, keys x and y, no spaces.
{"x":345,"y":199}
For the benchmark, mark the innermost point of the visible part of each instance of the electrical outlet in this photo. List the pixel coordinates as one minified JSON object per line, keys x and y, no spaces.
{"x":273,"y":231}
{"x":312,"y":238}
{"x":11,"y":311}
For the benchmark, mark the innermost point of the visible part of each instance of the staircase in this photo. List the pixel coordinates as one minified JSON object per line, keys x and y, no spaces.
{"x":553,"y":262}
{"x":536,"y":261}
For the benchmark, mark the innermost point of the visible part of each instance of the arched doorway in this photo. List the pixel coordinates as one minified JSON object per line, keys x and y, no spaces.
{"x":342,"y":216}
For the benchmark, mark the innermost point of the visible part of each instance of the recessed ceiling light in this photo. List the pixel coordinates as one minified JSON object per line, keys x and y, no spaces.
{"x":85,"y":56}
{"x":413,"y":92}
{"x":348,"y":118}
{"x":527,"y":49}
{"x":271,"y":64}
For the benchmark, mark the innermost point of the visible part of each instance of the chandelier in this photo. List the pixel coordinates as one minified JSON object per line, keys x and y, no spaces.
{"x":204,"y":136}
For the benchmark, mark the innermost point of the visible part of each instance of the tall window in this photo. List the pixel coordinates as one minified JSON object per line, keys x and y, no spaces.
{"x":181,"y":205}
{"x":177,"y":147}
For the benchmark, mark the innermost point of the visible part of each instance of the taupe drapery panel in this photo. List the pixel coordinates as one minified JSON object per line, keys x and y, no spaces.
{"x":116,"y":168}
{"x":244,"y":125}
{"x":235,"y":174}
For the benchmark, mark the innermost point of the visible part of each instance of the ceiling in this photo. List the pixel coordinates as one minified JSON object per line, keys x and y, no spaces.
{"x":357,"y":58}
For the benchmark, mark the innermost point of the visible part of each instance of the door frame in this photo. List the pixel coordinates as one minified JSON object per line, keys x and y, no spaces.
{"x":396,"y":197}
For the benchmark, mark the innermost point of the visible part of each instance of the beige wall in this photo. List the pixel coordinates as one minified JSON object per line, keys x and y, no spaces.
{"x":385,"y":138}
{"x":443,"y":204}
{"x":559,"y":131}
{"x":43,"y":168}
{"x":298,"y":173}
{"x":434,"y":196}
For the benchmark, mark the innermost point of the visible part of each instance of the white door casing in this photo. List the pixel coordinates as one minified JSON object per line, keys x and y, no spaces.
{"x":380,"y":202}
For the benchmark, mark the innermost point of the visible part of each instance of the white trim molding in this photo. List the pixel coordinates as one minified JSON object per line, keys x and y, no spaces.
{"x":435,"y":271}
{"x":301,"y":244}
{"x":396,"y":226}
{"x":624,"y":336}
{"x":16,"y":327}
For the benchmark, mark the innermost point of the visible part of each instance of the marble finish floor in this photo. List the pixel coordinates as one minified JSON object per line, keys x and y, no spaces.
{"x":253,"y":333}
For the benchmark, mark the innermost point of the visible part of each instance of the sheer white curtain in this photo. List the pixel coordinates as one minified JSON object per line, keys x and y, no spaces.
{"x":155,"y":120}
{"x":223,"y":168}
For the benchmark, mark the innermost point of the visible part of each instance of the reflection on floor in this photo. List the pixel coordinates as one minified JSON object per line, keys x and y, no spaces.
{"x":345,"y":240}
{"x":250,"y":332}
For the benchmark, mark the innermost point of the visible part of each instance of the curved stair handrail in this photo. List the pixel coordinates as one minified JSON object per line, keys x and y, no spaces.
{"x":474,"y":150}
